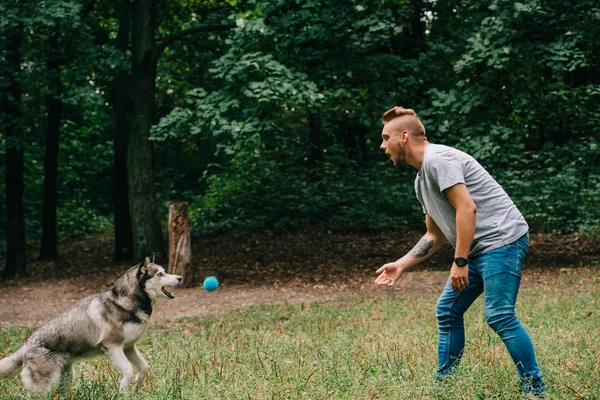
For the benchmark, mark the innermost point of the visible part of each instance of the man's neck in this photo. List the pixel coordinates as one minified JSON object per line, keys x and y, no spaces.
{"x":415,"y":156}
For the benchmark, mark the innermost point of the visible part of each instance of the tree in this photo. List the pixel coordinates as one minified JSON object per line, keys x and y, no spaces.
{"x":54,"y":62}
{"x":58,"y":53}
{"x":122,"y":109}
{"x":145,"y":219}
{"x":10,"y":103}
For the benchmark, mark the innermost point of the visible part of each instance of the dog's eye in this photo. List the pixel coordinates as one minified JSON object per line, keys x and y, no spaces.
{"x":159,"y":274}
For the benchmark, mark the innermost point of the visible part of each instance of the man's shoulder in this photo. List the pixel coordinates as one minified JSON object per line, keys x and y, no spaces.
{"x":438,"y":153}
{"x":433,"y":149}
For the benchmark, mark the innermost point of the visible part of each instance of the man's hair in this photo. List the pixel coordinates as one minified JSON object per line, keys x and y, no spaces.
{"x":412,"y":123}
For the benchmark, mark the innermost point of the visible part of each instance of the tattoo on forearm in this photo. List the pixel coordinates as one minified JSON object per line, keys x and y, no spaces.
{"x":422,"y":248}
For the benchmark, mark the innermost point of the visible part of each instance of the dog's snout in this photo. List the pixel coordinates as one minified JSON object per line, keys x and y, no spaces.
{"x":179,"y":278}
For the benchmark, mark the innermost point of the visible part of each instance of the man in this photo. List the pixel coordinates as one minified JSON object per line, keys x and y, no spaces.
{"x":466,"y":206}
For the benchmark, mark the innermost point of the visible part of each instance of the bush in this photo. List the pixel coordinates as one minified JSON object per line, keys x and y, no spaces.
{"x":258,"y":193}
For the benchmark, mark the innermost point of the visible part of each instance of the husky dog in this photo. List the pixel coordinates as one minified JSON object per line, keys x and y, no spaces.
{"x":107,"y":323}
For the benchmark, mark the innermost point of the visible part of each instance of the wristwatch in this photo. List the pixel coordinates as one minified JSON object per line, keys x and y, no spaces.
{"x":461,"y":261}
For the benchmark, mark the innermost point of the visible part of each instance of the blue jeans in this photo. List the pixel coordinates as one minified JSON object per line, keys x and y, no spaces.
{"x":496,"y":274}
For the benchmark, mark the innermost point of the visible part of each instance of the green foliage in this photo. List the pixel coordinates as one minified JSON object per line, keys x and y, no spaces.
{"x":275,"y":124}
{"x":265,"y":172}
{"x":523,"y":100}
{"x":495,"y":99}
{"x":85,"y":148}
{"x":261,"y":177}
{"x":255,"y":193}
{"x":84,"y":194}
{"x":558,"y":189}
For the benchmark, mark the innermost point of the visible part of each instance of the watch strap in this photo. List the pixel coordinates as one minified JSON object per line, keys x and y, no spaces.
{"x":461,"y":261}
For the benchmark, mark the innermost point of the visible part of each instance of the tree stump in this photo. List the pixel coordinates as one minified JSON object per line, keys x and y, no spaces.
{"x":180,"y":245}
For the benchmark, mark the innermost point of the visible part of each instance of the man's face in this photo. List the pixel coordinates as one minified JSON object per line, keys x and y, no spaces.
{"x":392,"y":145}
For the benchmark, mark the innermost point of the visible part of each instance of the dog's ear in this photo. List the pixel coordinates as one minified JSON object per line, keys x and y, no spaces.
{"x":144,"y":266}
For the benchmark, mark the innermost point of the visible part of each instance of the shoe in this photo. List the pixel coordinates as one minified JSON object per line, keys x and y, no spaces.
{"x":534,"y":389}
{"x":531,"y":396}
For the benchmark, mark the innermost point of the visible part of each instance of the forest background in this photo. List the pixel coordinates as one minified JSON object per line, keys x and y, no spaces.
{"x":265,"y":114}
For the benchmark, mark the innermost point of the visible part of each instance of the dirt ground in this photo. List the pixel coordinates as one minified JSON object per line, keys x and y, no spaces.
{"x":264,"y":268}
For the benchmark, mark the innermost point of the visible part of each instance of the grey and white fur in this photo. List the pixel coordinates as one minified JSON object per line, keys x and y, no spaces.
{"x":108,"y":323}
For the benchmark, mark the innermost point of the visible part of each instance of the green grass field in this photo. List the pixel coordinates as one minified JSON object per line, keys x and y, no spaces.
{"x":381,"y":347}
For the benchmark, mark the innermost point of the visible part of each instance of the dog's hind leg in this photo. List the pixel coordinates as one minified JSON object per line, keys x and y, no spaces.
{"x":41,"y":376}
{"x":136,"y":358}
{"x":66,"y":379}
{"x":120,"y":361}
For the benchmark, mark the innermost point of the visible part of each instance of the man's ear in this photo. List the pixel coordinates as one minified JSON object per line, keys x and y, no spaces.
{"x":144,"y":266}
{"x":405,"y":134}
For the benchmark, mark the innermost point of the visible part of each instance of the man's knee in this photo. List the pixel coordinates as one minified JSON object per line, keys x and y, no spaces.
{"x":501,"y":321}
{"x":447,"y":315}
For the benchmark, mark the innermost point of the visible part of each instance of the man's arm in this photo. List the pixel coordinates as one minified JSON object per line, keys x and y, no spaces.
{"x":466,"y":212}
{"x":425,"y":248}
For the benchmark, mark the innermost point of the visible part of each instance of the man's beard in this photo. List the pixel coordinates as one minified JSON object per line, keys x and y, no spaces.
{"x":400,"y":158}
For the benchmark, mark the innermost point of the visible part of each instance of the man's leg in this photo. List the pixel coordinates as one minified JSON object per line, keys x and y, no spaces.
{"x":501,"y":272}
{"x":450,"y":309}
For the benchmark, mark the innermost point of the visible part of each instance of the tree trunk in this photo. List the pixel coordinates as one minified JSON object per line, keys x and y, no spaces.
{"x":180,"y":244}
{"x":10,"y":103}
{"x":122,"y":108}
{"x":417,"y":23}
{"x":49,"y":243}
{"x":362,"y":133}
{"x":145,"y":221}
{"x":315,"y":149}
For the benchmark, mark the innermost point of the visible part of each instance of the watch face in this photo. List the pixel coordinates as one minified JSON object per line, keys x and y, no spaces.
{"x":461,"y":261}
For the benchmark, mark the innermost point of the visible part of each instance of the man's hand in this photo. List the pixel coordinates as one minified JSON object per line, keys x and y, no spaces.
{"x":388,"y":274}
{"x":459,"y":277}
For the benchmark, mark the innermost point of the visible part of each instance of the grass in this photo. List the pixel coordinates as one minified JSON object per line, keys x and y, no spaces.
{"x":355,"y":347}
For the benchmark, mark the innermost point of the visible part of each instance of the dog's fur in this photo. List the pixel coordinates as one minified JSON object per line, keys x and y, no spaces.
{"x":107,"y":323}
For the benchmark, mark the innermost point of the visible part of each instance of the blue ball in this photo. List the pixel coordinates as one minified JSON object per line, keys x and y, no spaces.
{"x":211,"y":283}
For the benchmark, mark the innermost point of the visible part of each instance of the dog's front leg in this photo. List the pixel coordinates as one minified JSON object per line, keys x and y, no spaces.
{"x":118,"y":358}
{"x":136,"y":358}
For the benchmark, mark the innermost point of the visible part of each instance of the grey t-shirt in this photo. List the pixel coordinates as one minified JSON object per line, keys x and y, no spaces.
{"x":498,"y":220}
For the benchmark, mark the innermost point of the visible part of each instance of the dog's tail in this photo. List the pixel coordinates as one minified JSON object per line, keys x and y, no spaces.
{"x":11,"y":365}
